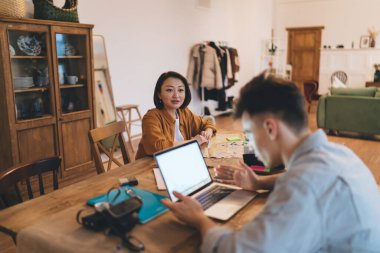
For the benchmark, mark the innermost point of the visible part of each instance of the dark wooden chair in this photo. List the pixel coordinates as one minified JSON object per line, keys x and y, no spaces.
{"x":96,"y":135}
{"x":14,"y":177}
{"x":310,"y":89}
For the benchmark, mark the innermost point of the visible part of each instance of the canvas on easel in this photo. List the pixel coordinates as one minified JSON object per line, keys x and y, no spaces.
{"x":105,"y":110}
{"x":105,"y":105}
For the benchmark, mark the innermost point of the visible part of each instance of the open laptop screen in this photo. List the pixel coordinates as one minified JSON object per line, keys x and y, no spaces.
{"x":183,"y":169}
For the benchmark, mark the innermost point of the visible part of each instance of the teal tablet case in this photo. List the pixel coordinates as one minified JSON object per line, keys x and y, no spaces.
{"x":151,"y":208}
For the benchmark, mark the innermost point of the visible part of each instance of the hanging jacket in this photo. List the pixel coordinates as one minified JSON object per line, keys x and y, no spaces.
{"x":204,"y":71}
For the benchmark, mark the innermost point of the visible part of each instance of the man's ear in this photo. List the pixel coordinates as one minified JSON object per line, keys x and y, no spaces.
{"x":271,"y":128}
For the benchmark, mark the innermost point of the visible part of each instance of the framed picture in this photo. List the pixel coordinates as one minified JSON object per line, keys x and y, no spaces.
{"x":364,"y":41}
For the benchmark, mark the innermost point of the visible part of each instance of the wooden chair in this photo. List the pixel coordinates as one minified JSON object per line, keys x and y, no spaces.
{"x":309,"y":90}
{"x":125,"y":113}
{"x":115,"y":129}
{"x":11,"y":178}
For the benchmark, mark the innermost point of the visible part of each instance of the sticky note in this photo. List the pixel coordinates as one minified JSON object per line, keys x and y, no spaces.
{"x":233,"y":138}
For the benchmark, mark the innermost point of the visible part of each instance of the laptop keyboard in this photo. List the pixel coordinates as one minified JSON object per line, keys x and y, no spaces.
{"x":213,"y":195}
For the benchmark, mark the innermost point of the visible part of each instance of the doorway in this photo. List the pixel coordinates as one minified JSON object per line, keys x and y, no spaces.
{"x":304,"y":44}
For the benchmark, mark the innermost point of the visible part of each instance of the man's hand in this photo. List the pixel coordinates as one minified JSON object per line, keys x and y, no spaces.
{"x":244,"y":177}
{"x":241,"y":176}
{"x":190,"y":212}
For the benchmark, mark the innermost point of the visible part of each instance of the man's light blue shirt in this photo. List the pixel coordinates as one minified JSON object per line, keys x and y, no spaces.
{"x":327,"y":201}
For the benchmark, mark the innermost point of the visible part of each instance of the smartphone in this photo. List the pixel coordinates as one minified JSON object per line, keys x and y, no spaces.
{"x":125,"y":207}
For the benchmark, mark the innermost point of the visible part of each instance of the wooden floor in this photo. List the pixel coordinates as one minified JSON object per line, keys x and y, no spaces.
{"x":367,"y":149}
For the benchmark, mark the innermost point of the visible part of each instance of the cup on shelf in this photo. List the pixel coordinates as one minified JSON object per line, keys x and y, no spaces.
{"x":61,"y":79}
{"x":72,"y":79}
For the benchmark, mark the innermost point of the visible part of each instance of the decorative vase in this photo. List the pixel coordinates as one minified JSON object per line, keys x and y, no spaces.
{"x":376,"y":77}
{"x":372,"y":42}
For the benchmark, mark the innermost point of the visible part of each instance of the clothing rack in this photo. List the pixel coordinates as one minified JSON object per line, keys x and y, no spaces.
{"x":224,"y":70}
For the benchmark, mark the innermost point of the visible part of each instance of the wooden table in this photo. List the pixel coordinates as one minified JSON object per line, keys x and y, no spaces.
{"x":50,"y":220}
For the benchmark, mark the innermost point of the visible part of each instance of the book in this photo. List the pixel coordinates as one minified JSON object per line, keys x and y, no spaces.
{"x":159,"y":180}
{"x":150,"y":209}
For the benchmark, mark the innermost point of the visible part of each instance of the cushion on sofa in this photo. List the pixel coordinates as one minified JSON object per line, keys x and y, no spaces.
{"x":363,"y":92}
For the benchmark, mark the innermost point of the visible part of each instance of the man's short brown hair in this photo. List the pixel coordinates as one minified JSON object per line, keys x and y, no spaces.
{"x":269,"y":94}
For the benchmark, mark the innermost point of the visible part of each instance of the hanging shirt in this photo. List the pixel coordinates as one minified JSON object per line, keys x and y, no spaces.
{"x":177,"y":133}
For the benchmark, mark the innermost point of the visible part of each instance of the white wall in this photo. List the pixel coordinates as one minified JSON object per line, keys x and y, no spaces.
{"x":344,"y":20}
{"x":147,"y":37}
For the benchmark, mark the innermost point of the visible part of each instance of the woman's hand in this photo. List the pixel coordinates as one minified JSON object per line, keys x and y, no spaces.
{"x":207,"y":133}
{"x":200,"y":139}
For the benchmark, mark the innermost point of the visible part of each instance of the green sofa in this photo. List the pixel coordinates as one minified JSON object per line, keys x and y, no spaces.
{"x":350,"y":109}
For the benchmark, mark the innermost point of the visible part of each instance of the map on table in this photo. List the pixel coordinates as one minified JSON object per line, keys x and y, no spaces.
{"x":225,"y":146}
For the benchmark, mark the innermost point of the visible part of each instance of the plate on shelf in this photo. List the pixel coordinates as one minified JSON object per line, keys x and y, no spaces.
{"x":69,"y":49}
{"x":29,"y":45}
{"x":12,"y":51}
{"x":23,"y":82}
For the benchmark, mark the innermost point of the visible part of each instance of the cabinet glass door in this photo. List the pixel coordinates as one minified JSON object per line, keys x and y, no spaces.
{"x":30,"y":74}
{"x":72,"y":74}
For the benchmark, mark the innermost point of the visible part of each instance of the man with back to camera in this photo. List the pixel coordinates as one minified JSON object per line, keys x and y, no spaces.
{"x":326,"y":201}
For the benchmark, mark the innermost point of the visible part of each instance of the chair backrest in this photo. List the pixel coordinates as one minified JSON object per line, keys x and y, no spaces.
{"x":96,"y":135}
{"x":23,"y":172}
{"x":341,"y":75}
{"x":309,"y":89}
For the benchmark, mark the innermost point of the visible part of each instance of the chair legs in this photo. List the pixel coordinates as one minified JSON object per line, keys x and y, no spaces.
{"x":125,"y":113}
{"x":9,"y":232}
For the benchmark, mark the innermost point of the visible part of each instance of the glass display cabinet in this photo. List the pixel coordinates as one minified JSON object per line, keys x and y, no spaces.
{"x":72,"y":75}
{"x":46,"y":78}
{"x":30,"y":74}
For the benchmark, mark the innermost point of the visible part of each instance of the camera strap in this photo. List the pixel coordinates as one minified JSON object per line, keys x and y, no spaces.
{"x":119,"y":218}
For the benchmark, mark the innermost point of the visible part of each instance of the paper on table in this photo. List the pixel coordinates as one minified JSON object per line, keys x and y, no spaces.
{"x":233,"y":138}
{"x":159,"y":180}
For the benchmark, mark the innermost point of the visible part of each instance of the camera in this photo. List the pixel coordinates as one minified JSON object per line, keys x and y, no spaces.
{"x":120,"y":218}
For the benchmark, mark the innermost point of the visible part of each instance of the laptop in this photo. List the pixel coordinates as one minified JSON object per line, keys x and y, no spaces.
{"x":184,"y":170}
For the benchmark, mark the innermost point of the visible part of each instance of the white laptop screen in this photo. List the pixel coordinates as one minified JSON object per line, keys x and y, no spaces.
{"x":183,"y":169}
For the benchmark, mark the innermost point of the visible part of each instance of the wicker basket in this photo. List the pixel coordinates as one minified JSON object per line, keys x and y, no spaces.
{"x":12,"y":8}
{"x":45,"y":9}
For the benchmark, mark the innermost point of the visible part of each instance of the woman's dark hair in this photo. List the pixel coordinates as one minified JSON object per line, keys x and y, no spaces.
{"x":156,"y":99}
{"x":268,"y":94}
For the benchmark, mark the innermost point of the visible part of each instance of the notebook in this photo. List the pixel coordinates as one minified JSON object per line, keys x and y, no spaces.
{"x":151,"y":208}
{"x":184,"y":170}
{"x":159,"y":180}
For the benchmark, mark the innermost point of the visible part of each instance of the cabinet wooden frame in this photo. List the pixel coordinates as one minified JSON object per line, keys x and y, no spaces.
{"x":58,"y":133}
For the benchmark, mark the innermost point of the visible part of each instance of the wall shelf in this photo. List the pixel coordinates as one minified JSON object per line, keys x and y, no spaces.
{"x":27,"y":57}
{"x":71,"y":57}
{"x":67,"y":86}
{"x":36,"y":89}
